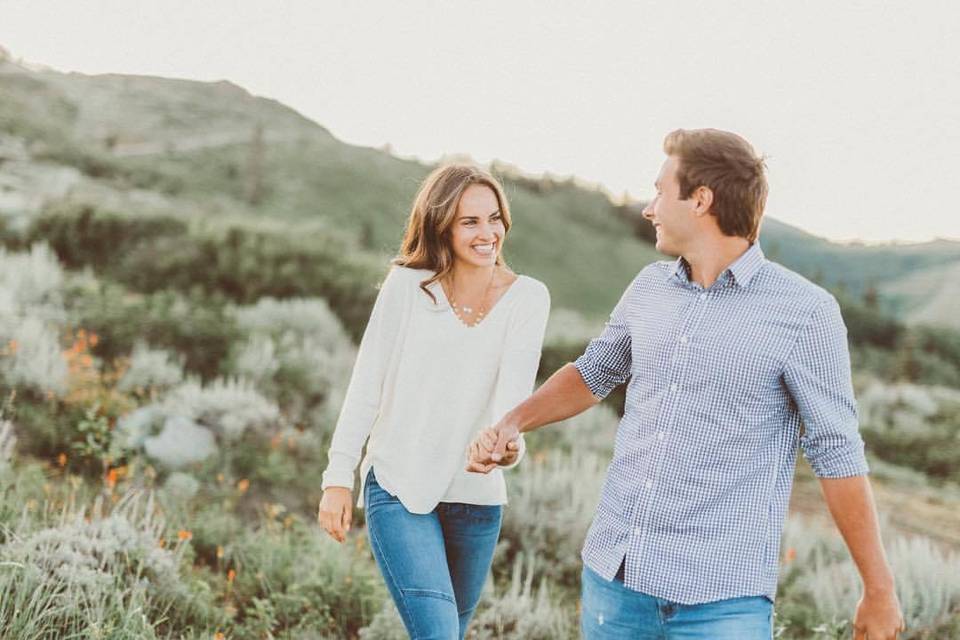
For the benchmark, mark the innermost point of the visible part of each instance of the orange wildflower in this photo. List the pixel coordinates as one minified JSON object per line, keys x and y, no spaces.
{"x":62,"y":460}
{"x":111,"y":478}
{"x":790,"y":555}
{"x":231,"y":575}
{"x":243,"y":485}
{"x":183,"y":534}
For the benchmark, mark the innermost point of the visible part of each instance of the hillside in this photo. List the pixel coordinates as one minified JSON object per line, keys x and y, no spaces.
{"x":212,"y":151}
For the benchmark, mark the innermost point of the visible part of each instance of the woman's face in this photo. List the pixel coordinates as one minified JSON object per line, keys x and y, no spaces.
{"x":478,"y":230}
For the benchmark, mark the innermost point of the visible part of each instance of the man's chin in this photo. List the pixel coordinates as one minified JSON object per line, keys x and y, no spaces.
{"x":666,"y":249}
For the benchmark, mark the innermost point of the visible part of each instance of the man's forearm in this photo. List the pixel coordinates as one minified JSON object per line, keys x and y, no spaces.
{"x":852,"y":506}
{"x":562,"y":396}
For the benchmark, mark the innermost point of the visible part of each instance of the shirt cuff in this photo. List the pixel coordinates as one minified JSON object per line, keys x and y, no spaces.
{"x":600,"y":385}
{"x":337,"y":476}
{"x":844,"y":462}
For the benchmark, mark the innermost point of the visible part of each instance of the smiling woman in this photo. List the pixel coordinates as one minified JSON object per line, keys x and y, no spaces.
{"x":453,"y":342}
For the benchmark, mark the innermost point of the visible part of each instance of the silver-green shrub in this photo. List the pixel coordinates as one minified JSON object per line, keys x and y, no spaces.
{"x":522,"y":611}
{"x":151,"y":369}
{"x":31,"y":313}
{"x":552,"y":498}
{"x":228,"y":407}
{"x":927,"y":577}
{"x":96,"y":574}
{"x":298,"y":353}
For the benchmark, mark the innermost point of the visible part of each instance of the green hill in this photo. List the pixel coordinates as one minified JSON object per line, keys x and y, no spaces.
{"x":213,"y":151}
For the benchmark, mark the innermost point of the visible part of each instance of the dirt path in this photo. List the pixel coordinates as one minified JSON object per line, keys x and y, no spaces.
{"x":927,"y":511}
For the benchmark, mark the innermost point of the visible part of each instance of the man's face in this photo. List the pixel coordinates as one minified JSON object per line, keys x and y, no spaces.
{"x":672,"y":217}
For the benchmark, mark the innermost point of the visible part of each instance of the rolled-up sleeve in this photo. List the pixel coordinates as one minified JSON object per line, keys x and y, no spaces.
{"x":521,"y":358}
{"x":607,"y":360}
{"x":817,"y":375}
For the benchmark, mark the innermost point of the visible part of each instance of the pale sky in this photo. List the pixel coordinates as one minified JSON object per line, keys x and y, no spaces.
{"x":855,"y":103}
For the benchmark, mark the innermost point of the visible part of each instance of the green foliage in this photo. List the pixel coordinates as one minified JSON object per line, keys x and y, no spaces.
{"x":193,"y":324}
{"x":157,"y":253}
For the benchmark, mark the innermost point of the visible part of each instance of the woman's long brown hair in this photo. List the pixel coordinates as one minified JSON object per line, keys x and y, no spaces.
{"x":426,"y":241}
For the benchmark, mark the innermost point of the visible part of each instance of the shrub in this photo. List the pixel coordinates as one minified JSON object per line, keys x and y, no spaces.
{"x":297,"y":352}
{"x":151,"y":369}
{"x":523,"y":611}
{"x":100,"y":576}
{"x":552,"y":502}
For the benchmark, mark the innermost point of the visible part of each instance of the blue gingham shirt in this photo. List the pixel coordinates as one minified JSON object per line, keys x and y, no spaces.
{"x":724,"y":384}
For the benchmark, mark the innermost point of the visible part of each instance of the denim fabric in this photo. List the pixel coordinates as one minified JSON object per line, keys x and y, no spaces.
{"x":611,"y":611}
{"x":434,"y":564}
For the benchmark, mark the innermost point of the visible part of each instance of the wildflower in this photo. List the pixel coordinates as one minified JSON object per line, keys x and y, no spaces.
{"x":111,"y":478}
{"x":219,"y":552}
{"x":790,"y":555}
{"x":219,"y":636}
{"x":230,"y":576}
{"x":62,"y":460}
{"x":243,"y":485}
{"x":183,"y":534}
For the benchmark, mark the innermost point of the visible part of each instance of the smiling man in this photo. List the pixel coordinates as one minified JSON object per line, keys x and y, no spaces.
{"x":732,"y":363}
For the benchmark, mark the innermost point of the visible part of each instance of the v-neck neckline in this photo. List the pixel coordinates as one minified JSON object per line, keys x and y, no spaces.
{"x":495,"y":306}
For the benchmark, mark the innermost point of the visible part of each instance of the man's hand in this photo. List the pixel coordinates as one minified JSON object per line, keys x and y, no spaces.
{"x":878,"y":617}
{"x":336,"y":512}
{"x":483,"y":454}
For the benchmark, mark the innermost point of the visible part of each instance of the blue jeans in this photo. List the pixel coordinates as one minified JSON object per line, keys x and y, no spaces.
{"x":434,"y":564}
{"x":611,"y":611}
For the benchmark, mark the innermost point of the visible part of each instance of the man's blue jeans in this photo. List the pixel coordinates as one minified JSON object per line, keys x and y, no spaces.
{"x":611,"y":611}
{"x":434,"y":564}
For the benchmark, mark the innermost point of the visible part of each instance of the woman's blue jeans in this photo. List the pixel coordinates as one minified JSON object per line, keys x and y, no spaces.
{"x":611,"y":611}
{"x":434,"y":564}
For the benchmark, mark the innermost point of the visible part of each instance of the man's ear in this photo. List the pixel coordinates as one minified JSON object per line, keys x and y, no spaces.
{"x":702,"y":199}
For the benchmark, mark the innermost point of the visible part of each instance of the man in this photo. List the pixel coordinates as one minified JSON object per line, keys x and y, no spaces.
{"x":732,"y":361}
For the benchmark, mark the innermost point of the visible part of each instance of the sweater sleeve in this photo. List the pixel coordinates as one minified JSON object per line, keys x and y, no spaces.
{"x":521,"y":357}
{"x":361,"y":404}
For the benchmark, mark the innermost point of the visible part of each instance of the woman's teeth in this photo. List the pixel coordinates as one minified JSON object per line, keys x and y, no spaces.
{"x":483,"y":249}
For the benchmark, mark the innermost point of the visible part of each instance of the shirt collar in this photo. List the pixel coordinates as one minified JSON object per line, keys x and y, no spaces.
{"x":742,"y":270}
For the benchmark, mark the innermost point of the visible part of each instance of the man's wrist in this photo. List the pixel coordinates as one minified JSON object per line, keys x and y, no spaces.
{"x":880,"y":587}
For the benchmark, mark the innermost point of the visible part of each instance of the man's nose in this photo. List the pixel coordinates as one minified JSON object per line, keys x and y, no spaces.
{"x":648,"y":212}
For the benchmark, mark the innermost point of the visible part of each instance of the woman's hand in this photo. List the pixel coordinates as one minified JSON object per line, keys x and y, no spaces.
{"x":480,"y":450}
{"x":336,"y":512}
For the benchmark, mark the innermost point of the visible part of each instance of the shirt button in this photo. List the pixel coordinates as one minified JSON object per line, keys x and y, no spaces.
{"x":683,"y":339}
{"x":660,"y":435}
{"x":674,"y":387}
{"x":636,"y":531}
{"x":648,"y":484}
{"x":703,"y":296}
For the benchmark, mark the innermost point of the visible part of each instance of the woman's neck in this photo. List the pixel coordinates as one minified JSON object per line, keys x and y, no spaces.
{"x":471,"y":279}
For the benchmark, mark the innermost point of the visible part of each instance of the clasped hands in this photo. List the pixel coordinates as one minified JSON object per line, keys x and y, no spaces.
{"x":495,"y":446}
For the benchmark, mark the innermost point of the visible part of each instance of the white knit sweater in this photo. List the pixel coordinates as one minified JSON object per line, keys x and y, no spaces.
{"x":424,"y":384}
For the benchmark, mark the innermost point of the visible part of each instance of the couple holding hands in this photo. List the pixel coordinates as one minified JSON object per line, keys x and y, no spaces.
{"x":732,"y":362}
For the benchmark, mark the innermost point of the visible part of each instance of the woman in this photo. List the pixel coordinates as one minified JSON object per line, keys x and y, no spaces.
{"x":452,"y":344}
